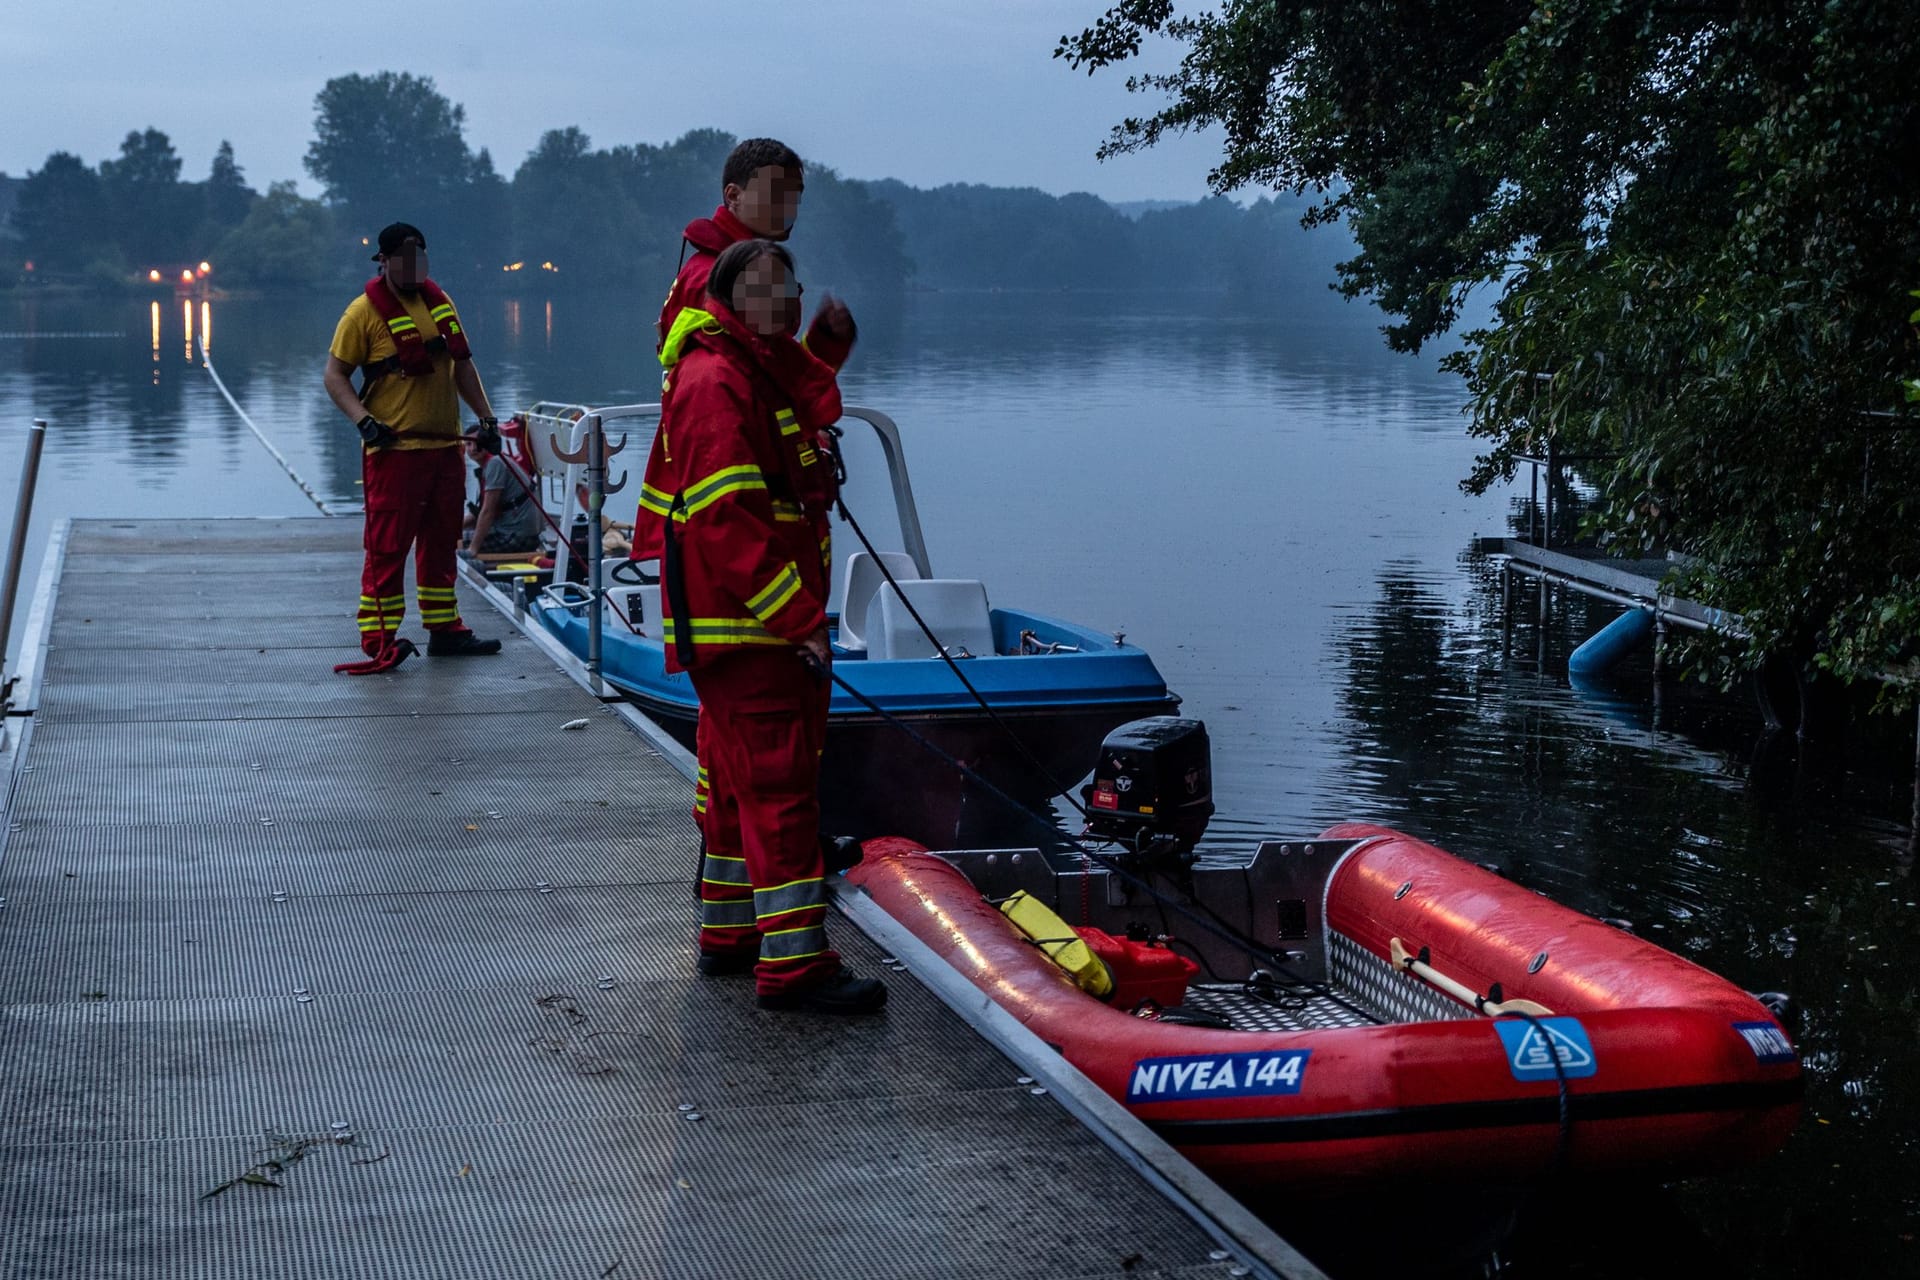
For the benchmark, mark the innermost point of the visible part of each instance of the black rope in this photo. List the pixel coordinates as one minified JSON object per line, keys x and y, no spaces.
{"x":1059,"y":788}
{"x":1560,"y":1076}
{"x":513,"y":469}
{"x":1112,"y":865}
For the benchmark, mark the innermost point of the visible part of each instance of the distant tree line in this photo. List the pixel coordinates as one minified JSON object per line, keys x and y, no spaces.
{"x":573,"y":216}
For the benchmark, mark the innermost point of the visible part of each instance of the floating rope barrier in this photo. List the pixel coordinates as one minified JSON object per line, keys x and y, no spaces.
{"x":206,"y":358}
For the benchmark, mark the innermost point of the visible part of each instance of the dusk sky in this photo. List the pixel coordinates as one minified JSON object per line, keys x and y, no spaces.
{"x":965,"y":92}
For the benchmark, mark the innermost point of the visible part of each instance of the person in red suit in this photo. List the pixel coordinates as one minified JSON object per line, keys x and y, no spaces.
{"x":405,"y":336}
{"x":760,"y":188}
{"x":736,"y":495}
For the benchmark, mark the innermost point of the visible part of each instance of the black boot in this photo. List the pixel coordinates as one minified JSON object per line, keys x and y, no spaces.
{"x":459,"y":644}
{"x":841,"y":994}
{"x":727,"y":964}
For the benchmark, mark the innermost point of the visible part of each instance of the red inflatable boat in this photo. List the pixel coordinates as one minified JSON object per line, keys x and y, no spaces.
{"x":1424,"y":1017}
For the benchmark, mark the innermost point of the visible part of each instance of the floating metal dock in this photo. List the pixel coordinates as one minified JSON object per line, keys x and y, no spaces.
{"x":1632,"y":584}
{"x":392,"y":977}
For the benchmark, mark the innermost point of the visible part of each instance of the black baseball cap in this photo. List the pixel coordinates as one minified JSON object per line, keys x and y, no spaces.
{"x":395,"y":234}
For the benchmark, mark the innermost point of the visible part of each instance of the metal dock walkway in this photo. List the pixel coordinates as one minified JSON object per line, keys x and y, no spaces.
{"x":248,"y":901}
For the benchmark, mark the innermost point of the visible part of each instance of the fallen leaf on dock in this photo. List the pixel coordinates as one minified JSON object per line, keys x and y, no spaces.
{"x":465,"y":1169}
{"x":472,"y":827}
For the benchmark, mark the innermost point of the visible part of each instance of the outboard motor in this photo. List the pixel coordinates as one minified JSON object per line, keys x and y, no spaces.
{"x":1152,"y":790}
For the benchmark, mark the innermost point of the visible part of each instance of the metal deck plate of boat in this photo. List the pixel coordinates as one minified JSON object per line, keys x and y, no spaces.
{"x":392,"y":977}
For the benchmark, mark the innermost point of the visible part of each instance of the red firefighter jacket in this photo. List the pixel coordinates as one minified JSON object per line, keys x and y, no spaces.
{"x":708,"y":236}
{"x":738,"y":488}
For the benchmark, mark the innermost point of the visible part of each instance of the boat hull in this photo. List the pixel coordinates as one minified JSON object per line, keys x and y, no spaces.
{"x":873,"y":782}
{"x":1050,"y":714}
{"x":1670,"y":1069}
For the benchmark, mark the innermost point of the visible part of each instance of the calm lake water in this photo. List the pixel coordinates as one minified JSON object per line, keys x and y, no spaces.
{"x":1267,"y":501}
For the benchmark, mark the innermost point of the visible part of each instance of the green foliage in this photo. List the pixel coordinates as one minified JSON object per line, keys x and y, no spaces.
{"x":389,"y":147}
{"x":1701,"y":224}
{"x":153,"y":214}
{"x":978,"y":237}
{"x":60,"y":215}
{"x":615,"y":216}
{"x":286,"y":241}
{"x":228,"y":197}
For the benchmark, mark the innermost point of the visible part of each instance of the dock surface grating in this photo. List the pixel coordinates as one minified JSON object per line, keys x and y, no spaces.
{"x":246,"y":899}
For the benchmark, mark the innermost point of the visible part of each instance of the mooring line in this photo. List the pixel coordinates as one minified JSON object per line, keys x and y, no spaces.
{"x":206,"y":358}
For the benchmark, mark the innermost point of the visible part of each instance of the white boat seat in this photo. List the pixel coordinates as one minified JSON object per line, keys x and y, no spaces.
{"x":638,"y":602}
{"x":640,"y":605}
{"x":859,"y":581}
{"x":955,"y":609}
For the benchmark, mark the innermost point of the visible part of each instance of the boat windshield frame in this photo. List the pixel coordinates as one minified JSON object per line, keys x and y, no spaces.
{"x":547,"y":418}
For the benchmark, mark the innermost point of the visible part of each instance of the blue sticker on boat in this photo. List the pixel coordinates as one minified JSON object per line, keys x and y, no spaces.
{"x":1768,"y":1042}
{"x":1218,"y":1075}
{"x":1533,"y":1045}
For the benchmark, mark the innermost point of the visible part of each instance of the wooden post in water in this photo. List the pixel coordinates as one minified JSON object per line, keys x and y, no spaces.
{"x":1546,"y":513}
{"x":1540,"y":628}
{"x":1913,"y":828}
{"x":1659,"y":662}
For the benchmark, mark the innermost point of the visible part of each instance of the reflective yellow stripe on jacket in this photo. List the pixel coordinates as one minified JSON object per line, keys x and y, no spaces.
{"x":770,"y":599}
{"x":718,"y":631}
{"x":703,"y":492}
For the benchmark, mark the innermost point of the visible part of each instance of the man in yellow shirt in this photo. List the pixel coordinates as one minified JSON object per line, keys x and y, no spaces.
{"x":404,"y":334}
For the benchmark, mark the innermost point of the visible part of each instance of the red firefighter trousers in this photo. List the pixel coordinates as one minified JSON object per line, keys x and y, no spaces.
{"x":763,"y":722}
{"x":414,"y":500}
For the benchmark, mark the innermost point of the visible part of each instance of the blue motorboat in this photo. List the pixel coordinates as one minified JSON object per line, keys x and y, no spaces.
{"x":1055,"y":688}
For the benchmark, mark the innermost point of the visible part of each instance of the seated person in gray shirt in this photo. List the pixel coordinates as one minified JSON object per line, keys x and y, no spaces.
{"x":505,"y":521}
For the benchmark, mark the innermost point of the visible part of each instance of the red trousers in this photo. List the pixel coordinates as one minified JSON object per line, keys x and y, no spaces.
{"x":415,"y":500}
{"x":763,"y":722}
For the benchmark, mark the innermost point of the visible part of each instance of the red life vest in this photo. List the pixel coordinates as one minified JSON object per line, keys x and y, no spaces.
{"x":413,"y":354}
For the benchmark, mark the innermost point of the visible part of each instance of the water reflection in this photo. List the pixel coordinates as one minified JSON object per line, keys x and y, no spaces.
{"x":1500,"y":759}
{"x":1269,"y":505}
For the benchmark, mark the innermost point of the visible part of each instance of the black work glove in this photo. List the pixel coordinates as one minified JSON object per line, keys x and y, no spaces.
{"x":374,"y":433}
{"x":487,"y":434}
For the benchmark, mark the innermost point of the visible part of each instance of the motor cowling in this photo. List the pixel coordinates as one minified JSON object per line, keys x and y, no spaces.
{"x":1152,"y":789}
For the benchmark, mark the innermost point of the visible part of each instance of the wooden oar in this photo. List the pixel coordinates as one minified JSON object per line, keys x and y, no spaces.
{"x":1413,"y":964}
